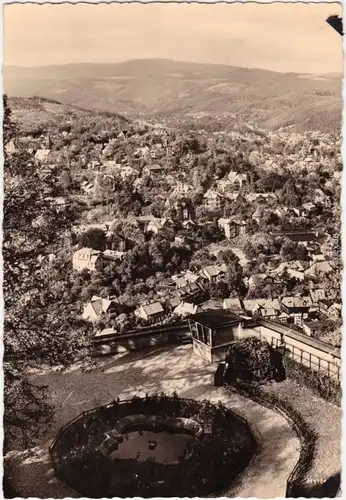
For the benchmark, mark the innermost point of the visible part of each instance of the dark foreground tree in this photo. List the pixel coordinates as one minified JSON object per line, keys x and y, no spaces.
{"x":41,"y":324}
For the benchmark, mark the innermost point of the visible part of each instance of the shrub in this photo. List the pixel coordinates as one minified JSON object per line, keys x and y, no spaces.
{"x":296,"y":483}
{"x":253,"y":360}
{"x":322,"y":385}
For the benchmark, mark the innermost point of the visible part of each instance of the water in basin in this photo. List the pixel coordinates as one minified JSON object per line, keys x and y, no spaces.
{"x":161,"y":446}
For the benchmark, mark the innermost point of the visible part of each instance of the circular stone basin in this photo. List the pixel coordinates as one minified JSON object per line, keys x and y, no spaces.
{"x":166,"y":447}
{"x":144,"y":437}
{"x":135,"y":448}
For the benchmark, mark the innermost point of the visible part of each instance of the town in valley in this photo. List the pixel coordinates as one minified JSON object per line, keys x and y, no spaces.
{"x":173,"y":251}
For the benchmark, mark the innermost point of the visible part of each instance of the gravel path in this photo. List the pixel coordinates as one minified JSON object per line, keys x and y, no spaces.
{"x":161,"y":369}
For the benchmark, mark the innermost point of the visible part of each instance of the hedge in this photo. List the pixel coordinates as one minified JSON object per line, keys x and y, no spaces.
{"x":296,"y":483}
{"x":322,"y":385}
{"x":216,"y":460}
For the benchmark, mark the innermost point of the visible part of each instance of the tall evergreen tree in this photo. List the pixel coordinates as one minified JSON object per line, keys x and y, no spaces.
{"x":41,"y":322}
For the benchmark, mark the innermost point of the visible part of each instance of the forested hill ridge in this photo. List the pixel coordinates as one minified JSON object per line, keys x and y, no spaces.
{"x":37,"y":113}
{"x":74,"y":137}
{"x":181,"y":91}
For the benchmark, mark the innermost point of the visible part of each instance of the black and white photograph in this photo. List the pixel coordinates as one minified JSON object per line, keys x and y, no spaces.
{"x":172,"y":250}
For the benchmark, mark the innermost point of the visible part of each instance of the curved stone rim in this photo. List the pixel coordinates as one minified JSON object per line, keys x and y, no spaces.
{"x":114,"y":437}
{"x":60,"y":450}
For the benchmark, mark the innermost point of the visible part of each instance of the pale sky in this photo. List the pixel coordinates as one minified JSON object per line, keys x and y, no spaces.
{"x":279,"y":37}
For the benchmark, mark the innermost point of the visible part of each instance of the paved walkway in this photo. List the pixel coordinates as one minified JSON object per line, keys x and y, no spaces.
{"x":167,"y":370}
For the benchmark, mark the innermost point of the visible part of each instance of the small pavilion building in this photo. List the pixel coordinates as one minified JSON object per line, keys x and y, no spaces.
{"x":213,"y":332}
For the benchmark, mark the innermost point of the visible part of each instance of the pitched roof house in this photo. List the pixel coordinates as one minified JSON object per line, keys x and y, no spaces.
{"x":211,"y":305}
{"x":309,"y":208}
{"x":186,"y":278}
{"x":172,"y":302}
{"x":320,"y":267}
{"x":232,"y":226}
{"x":298,"y":308}
{"x":99,"y":307}
{"x":266,"y":312}
{"x":188,"y":224}
{"x":191,"y":277}
{"x":150,"y":312}
{"x":106,"y":332}
{"x":282,"y":211}
{"x":233,"y":305}
{"x":265,"y":308}
{"x":214,"y":199}
{"x":294,"y":269}
{"x":116,"y":241}
{"x":180,"y":281}
{"x":283,"y":317}
{"x":154,"y":226}
{"x":143,"y":220}
{"x":149,"y":223}
{"x":317,"y":295}
{"x":238,"y":180}
{"x":87,"y":258}
{"x":304,"y":236}
{"x":310,"y":327}
{"x":192,"y":292}
{"x":165,"y":226}
{"x":224,"y":186}
{"x":213,"y":273}
{"x":254,"y":304}
{"x":185,"y":309}
{"x":296,"y":303}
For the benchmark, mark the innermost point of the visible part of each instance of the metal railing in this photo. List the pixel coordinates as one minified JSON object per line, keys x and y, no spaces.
{"x":92,"y":411}
{"x":305,"y":435}
{"x":305,"y":358}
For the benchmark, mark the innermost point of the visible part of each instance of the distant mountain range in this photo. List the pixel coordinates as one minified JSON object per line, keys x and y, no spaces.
{"x":163,"y":89}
